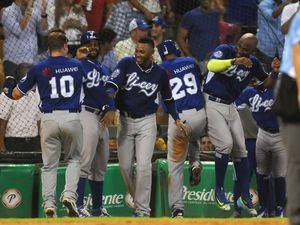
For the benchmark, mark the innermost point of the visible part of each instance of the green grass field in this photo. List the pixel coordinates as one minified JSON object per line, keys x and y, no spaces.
{"x":143,"y":221}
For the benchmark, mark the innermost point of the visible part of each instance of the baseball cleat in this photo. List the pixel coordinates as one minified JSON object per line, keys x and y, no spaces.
{"x":279,"y":212}
{"x":221,"y":200}
{"x":247,"y":205}
{"x":71,"y":207}
{"x":101,"y":212}
{"x":140,"y":214}
{"x":50,"y":212}
{"x":195,"y":173}
{"x":83,"y":212}
{"x":177,"y":213}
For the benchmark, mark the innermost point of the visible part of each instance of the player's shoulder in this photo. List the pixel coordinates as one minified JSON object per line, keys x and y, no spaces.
{"x":250,"y":91}
{"x":186,"y":59}
{"x":223,"y":50}
{"x":127,"y":59}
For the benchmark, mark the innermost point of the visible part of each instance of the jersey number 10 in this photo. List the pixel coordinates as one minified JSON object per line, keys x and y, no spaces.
{"x":66,"y":84}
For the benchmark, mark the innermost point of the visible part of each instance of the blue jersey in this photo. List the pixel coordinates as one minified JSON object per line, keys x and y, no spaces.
{"x":59,"y":81}
{"x":229,"y":84}
{"x":138,"y":89}
{"x":94,"y":90}
{"x":185,"y":81}
{"x":260,"y":103}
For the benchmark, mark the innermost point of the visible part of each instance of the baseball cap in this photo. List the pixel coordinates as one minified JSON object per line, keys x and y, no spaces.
{"x":138,"y":24}
{"x":88,"y":36}
{"x":159,"y":21}
{"x":168,"y":47}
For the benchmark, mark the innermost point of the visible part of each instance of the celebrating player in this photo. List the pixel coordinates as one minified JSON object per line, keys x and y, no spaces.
{"x":185,"y":81}
{"x":59,"y":81}
{"x":95,"y":151}
{"x":271,"y":156}
{"x":230,"y":71}
{"x":137,"y":81}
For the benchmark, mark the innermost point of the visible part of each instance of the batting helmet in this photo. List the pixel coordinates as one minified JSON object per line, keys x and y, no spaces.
{"x":168,"y":47}
{"x":88,"y":36}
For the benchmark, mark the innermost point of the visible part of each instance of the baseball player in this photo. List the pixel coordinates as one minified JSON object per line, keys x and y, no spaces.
{"x":185,"y":81}
{"x":138,"y":81}
{"x":59,"y":82}
{"x":271,"y":156}
{"x":95,"y":151}
{"x":230,"y":71}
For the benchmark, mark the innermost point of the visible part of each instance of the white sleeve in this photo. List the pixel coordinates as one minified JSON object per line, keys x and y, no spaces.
{"x":288,"y":12}
{"x":5,"y":106}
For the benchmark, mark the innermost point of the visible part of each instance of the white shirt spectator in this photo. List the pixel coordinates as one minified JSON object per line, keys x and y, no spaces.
{"x":152,"y":5}
{"x":21,"y":115}
{"x":127,"y":48}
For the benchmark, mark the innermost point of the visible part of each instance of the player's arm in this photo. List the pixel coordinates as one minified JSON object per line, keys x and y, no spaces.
{"x":277,"y":12}
{"x":15,"y":90}
{"x":220,"y":61}
{"x":243,"y":100}
{"x":112,"y":86}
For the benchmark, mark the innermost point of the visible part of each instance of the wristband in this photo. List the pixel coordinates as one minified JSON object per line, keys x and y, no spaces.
{"x":274,"y":75}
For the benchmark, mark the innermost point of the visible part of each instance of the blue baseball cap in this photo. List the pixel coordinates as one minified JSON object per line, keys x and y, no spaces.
{"x":138,"y":24}
{"x":88,"y":36}
{"x":168,"y":47}
{"x":159,"y":21}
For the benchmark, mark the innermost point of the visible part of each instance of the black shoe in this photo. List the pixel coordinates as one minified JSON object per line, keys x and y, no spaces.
{"x":177,"y":213}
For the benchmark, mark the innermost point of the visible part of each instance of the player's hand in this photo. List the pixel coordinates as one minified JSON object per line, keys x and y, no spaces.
{"x":183,"y":128}
{"x":275,"y":64}
{"x":108,"y":118}
{"x":243,"y":61}
{"x":82,"y":53}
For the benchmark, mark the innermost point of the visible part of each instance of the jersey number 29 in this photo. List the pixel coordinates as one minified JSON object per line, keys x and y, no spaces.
{"x":66,"y":84}
{"x":189,"y":81}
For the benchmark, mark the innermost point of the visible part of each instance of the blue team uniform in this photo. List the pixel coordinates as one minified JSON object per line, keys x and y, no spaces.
{"x":260,"y":103}
{"x":229,"y":84}
{"x":185,"y":81}
{"x":59,"y":81}
{"x":94,"y":82}
{"x":137,"y":89}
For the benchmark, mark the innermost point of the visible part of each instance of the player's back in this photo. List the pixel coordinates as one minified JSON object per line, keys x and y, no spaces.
{"x":185,"y":81}
{"x":59,"y":80}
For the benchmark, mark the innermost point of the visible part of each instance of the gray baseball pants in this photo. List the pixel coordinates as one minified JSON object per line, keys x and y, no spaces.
{"x":60,"y":131}
{"x":271,"y":155}
{"x":177,"y":151}
{"x":136,"y":138}
{"x":95,"y":151}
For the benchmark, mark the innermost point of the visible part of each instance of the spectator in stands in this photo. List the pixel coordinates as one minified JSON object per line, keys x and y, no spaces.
{"x":19,"y":120}
{"x":123,"y":13}
{"x":107,"y":41}
{"x":288,"y":13}
{"x":198,"y":33}
{"x":158,"y":29}
{"x":21,"y":22}
{"x":243,"y":13}
{"x":270,"y":38}
{"x":70,"y":18}
{"x":138,"y":29}
{"x":206,"y":145}
{"x":96,"y":13}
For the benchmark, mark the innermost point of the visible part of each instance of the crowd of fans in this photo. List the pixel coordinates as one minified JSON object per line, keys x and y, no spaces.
{"x":197,"y":26}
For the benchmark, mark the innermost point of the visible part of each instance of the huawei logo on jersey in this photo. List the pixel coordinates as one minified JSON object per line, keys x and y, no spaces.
{"x":146,"y":87}
{"x":47,"y":72}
